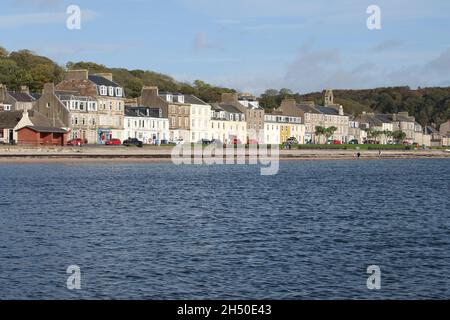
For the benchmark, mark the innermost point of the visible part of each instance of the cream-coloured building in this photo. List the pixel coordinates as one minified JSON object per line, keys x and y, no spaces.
{"x":279,"y":128}
{"x":228,"y":124}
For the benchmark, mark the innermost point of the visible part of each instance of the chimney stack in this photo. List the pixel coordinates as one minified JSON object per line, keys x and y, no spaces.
{"x":25,"y":89}
{"x":3,"y":92}
{"x":49,"y":88}
{"x":230,"y":98}
{"x":74,"y":75}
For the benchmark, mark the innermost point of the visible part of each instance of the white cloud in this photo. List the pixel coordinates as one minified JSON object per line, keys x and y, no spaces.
{"x":44,"y":18}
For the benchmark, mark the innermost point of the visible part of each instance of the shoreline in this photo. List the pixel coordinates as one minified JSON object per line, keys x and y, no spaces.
{"x":16,"y":155}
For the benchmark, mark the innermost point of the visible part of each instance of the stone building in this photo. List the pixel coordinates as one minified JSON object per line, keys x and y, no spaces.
{"x":109,"y":98}
{"x":189,"y":117}
{"x":15,"y":101}
{"x":254,"y":114}
{"x":313,"y":116}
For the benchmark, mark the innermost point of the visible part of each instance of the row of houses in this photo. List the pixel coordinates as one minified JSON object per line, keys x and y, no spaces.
{"x":94,"y":108}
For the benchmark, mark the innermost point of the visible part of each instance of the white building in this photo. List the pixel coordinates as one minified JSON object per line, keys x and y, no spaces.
{"x":279,"y":128}
{"x":228,"y":124}
{"x":146,"y":124}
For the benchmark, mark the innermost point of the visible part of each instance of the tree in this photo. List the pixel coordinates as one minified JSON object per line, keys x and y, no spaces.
{"x":3,"y":53}
{"x":329,"y":132}
{"x":387,"y":134}
{"x":320,"y":131}
{"x":374,"y":134}
{"x":399,"y":136}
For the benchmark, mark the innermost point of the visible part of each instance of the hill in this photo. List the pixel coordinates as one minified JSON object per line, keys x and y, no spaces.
{"x":428,"y":105}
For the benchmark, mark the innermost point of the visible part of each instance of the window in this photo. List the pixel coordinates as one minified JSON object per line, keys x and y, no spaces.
{"x":111,"y":91}
{"x":48,"y":104}
{"x":7,"y":107}
{"x":103,"y":91}
{"x":119,"y":92}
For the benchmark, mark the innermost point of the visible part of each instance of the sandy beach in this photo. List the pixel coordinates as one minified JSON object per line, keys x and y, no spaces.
{"x":15,"y":154}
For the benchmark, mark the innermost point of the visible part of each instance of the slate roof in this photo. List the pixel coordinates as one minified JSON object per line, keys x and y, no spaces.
{"x":188,"y":98}
{"x":132,"y":111}
{"x":21,"y":96}
{"x":307,"y":108}
{"x":327,"y":110}
{"x":229,"y":108}
{"x":9,"y":119}
{"x":101,"y":81}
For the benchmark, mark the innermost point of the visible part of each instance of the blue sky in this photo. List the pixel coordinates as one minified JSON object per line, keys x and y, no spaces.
{"x":251,"y":45}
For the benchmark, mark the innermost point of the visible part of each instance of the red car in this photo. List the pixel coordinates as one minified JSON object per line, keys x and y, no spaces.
{"x":113,"y":142}
{"x":236,"y":141}
{"x":75,"y":142}
{"x":337,"y":142}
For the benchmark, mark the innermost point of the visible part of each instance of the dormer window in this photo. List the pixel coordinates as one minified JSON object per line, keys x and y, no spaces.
{"x":169,"y":97}
{"x":181,"y":98}
{"x":7,"y":107}
{"x":103,"y":90}
{"x":119,"y":92}
{"x":111,"y":91}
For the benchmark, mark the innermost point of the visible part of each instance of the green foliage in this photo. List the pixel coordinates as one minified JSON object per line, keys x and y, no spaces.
{"x":134,"y":80}
{"x":428,"y":105}
{"x":26,"y":68}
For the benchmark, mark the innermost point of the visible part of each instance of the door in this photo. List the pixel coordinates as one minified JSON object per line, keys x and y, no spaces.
{"x":11,"y":136}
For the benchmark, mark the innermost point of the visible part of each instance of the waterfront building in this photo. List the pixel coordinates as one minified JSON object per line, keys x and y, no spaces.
{"x":189,"y":117}
{"x":314,"y":116}
{"x":109,"y":104}
{"x":83,"y":115}
{"x":227,"y":124}
{"x":253,"y":112}
{"x":146,"y":124}
{"x":278,"y":128}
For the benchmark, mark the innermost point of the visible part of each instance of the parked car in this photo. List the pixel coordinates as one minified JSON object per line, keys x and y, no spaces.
{"x":236,"y":141}
{"x":75,"y":142}
{"x":336,"y":142}
{"x":292,"y":140}
{"x":113,"y":142}
{"x":204,"y":142}
{"x":354,"y":141}
{"x":133,"y":142}
{"x":164,"y":141}
{"x":216,"y":142}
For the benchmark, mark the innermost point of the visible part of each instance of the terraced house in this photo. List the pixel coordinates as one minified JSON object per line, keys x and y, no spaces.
{"x":146,"y":124}
{"x":15,"y":101}
{"x":228,"y":124}
{"x":254,"y":113}
{"x":279,"y":128}
{"x":314,"y":116}
{"x":189,"y":117}
{"x":109,"y":105}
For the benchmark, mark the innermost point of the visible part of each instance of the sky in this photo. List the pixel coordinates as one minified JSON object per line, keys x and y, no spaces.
{"x":250,"y":45}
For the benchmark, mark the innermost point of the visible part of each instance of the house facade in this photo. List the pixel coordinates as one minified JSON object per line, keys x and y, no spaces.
{"x":314,"y":116}
{"x":110,"y":102}
{"x":228,"y":124}
{"x":279,"y":128}
{"x":254,"y":114}
{"x":15,"y":101}
{"x":146,"y":124}
{"x":189,"y":117}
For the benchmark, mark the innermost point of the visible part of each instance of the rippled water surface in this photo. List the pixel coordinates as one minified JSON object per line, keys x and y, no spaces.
{"x":158,"y":231}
